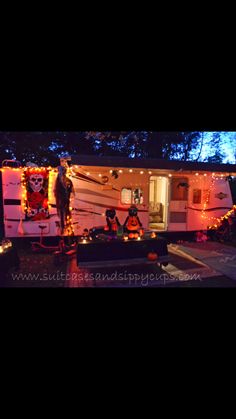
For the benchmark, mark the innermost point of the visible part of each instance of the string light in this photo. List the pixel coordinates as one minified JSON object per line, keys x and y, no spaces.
{"x":24,"y":192}
{"x":215,"y":220}
{"x":224,"y":217}
{"x":207,"y":199}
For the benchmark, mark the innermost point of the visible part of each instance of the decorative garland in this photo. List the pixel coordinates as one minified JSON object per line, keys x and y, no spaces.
{"x":224,"y":217}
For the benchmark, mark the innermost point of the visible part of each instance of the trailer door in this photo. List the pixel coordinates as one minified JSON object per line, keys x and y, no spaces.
{"x":178,"y":204}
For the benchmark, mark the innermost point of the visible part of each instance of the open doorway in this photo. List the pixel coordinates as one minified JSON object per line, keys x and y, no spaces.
{"x":158,"y":192}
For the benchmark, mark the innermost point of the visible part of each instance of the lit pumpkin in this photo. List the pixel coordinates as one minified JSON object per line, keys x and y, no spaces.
{"x":141,"y":232}
{"x":131,"y":235}
{"x":136,"y":235}
{"x":153,"y":235}
{"x":152,"y":256}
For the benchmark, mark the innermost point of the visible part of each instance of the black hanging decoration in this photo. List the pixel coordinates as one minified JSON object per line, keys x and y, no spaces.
{"x":115,"y":174}
{"x":183,"y":185}
{"x":64,"y":188}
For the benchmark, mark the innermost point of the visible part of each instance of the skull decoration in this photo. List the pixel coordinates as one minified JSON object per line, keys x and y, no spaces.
{"x":37,"y":194}
{"x":36,"y":182}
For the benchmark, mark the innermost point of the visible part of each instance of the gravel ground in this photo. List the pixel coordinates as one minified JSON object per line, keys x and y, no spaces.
{"x":35,"y":271}
{"x":39,"y":271}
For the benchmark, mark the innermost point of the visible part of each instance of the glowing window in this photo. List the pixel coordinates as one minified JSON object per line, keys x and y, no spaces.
{"x":126,"y":196}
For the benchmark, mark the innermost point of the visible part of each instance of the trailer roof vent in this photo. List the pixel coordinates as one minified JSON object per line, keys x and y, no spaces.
{"x":11,"y":163}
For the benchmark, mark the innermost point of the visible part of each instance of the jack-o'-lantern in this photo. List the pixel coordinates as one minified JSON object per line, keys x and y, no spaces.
{"x":153,"y":235}
{"x":136,"y":235}
{"x":131,"y":235}
{"x":152,"y":256}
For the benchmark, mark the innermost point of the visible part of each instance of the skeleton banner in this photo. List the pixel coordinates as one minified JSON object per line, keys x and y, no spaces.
{"x":37,"y":194}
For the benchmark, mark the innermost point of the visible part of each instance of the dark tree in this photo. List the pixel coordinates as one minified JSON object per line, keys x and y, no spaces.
{"x":45,"y":148}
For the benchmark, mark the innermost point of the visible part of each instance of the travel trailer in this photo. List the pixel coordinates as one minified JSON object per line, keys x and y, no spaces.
{"x":171,"y":196}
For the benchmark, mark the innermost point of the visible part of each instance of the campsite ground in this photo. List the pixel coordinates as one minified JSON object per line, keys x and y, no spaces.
{"x":35,"y":271}
{"x":39,"y":271}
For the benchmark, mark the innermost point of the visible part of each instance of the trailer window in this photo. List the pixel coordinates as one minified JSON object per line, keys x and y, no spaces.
{"x":179,"y":189}
{"x":197,"y":196}
{"x":137,"y":196}
{"x":126,"y":196}
{"x":132,"y":196}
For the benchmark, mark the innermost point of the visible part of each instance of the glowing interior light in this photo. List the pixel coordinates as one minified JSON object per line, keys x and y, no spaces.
{"x":170,"y":175}
{"x":120,"y":171}
{"x":139,"y":238}
{"x":197,"y":174}
{"x":130,"y":170}
{"x":88,"y":173}
{"x":100,"y":175}
{"x":205,"y":174}
{"x":1,"y":249}
{"x":126,"y":238}
{"x":142,"y":172}
{"x":111,"y":171}
{"x":84,"y":241}
{"x":150,"y":173}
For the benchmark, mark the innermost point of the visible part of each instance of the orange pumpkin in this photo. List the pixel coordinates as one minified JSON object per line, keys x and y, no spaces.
{"x":136,"y":235}
{"x":152,"y":256}
{"x":131,"y":235}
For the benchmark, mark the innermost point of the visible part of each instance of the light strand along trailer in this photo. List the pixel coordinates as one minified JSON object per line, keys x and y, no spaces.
{"x":171,"y":196}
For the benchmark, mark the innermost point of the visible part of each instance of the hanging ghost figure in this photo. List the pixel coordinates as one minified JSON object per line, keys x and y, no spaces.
{"x":63,"y":190}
